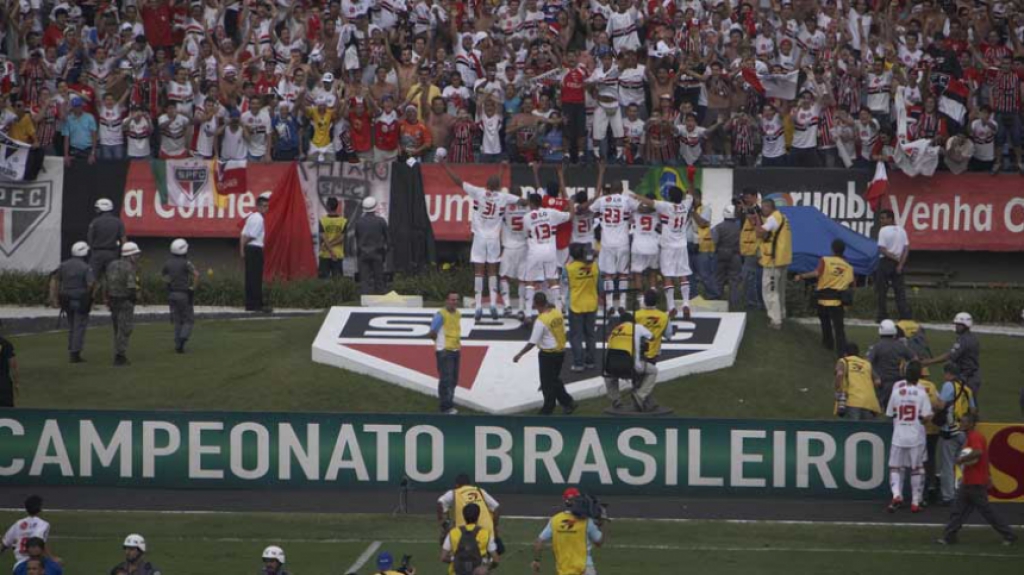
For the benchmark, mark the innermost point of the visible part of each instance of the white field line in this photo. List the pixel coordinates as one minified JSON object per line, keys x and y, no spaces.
{"x":370,"y":550}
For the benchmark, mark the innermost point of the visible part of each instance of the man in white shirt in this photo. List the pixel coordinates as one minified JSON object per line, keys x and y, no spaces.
{"x":909,"y":407}
{"x":893,"y":249}
{"x":257,"y":124}
{"x":250,"y":248}
{"x":488,"y":208}
{"x":16,"y":538}
{"x":804,"y":153}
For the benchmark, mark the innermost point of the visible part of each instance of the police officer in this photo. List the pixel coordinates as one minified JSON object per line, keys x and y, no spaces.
{"x":549,"y":335}
{"x":451,"y":504}
{"x":71,"y":289}
{"x":122,"y":289}
{"x":965,"y":353}
{"x":887,"y":357}
{"x":250,"y":248}
{"x":835,"y":279}
{"x":182,"y":279}
{"x":105,"y":236}
{"x":571,"y":536}
{"x":273,"y":561}
{"x":134,"y":562}
{"x":633,"y":340}
{"x":371,"y":247}
{"x":728,"y":261}
{"x":332,"y":240}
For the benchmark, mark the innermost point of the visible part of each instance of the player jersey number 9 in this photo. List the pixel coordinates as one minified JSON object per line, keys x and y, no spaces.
{"x":646,"y":224}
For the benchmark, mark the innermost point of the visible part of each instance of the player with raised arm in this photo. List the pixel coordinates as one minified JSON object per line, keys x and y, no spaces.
{"x":643,"y":253}
{"x":513,"y":258}
{"x":583,"y":218}
{"x":674,"y":259}
{"x":541,"y":252}
{"x":615,"y":210}
{"x":909,"y":408}
{"x":488,"y":207}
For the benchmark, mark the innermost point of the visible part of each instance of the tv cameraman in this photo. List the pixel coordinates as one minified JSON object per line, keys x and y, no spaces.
{"x":571,"y":533}
{"x":385,"y":565}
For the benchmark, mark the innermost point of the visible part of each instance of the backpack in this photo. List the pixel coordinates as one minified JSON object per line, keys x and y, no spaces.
{"x":467,"y":554}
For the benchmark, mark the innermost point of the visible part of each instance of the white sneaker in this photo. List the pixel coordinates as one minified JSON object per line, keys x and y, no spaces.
{"x":452,"y":411}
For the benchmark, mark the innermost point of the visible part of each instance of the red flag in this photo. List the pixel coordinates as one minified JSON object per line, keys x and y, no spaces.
{"x":878,"y":187}
{"x":232,"y":177}
{"x":750,"y":75}
{"x":289,"y":246}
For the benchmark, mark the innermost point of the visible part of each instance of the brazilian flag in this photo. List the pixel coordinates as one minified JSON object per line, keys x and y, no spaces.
{"x":659,"y":180}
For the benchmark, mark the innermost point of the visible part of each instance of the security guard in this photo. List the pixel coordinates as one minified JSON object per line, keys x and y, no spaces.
{"x":134,"y":562}
{"x":888,"y":357}
{"x":446,"y":331}
{"x":372,"y":245}
{"x":451,"y":504}
{"x":835,"y":280}
{"x":332,"y":240}
{"x":71,"y":289}
{"x":273,"y":561}
{"x":105,"y":236}
{"x":549,"y":335}
{"x":965,"y":353}
{"x":122,"y":290}
{"x":629,"y":356}
{"x":752,"y":272}
{"x":571,"y":537}
{"x":776,"y":250}
{"x":728,"y":261}
{"x":855,"y":383}
{"x":182,"y":279}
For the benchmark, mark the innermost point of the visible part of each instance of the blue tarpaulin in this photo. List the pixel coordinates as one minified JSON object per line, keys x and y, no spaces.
{"x":813,"y":233}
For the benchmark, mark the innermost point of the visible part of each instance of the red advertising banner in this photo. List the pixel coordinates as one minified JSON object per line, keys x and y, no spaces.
{"x":449,"y":208}
{"x":145,"y":216}
{"x":975,"y":212}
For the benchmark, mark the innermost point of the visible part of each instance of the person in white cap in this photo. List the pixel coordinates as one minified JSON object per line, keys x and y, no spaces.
{"x":134,"y":560}
{"x":105,"y":235}
{"x":182,"y":279}
{"x":71,"y":289}
{"x":371,"y":232}
{"x":250,"y":248}
{"x":122,"y":288}
{"x":728,"y":262}
{"x":273,"y":561}
{"x":887,"y":357}
{"x":965,"y":353}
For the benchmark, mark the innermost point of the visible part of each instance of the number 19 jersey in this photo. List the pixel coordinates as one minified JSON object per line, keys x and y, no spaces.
{"x":907,"y":405}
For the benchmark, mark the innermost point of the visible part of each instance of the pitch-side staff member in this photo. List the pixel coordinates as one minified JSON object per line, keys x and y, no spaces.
{"x":776,"y":255}
{"x":250,"y":249}
{"x":549,"y":335}
{"x":835,"y":278}
{"x":571,"y":538}
{"x":446,"y":331}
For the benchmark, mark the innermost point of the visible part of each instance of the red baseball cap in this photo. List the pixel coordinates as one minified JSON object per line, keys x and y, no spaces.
{"x":570,"y":493}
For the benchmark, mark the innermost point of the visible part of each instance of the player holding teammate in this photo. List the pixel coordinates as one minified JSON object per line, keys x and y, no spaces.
{"x":909,"y":408}
{"x":513,"y":257}
{"x":675,"y":261}
{"x":644,"y":250}
{"x":541,"y":252}
{"x":488,"y":207}
{"x":615,"y":210}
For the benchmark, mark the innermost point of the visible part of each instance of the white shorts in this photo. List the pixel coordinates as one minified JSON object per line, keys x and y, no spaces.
{"x":485,"y":250}
{"x":675,"y":262}
{"x":605,"y":117}
{"x":512,"y":263}
{"x":538,"y":270}
{"x":640,"y":263}
{"x":327,"y":150}
{"x":912,"y":457}
{"x":613,"y":260}
{"x":562,"y":257}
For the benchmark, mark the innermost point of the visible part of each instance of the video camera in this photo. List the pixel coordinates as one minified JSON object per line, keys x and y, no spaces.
{"x":586,"y":505}
{"x":406,"y":565}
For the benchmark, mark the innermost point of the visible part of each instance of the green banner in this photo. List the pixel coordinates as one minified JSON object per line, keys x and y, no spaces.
{"x":683,"y":457}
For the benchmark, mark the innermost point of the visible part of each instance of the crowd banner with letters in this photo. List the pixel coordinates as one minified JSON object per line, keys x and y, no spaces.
{"x":348,"y":183}
{"x":1006,"y":460}
{"x":30,"y":220}
{"x":449,"y":208}
{"x":13,"y":158}
{"x":627,"y":456}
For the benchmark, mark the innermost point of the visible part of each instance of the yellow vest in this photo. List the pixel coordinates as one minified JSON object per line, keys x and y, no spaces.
{"x":569,"y":543}
{"x":860,"y":385}
{"x":706,"y":242}
{"x":837,"y":276}
{"x":452,"y":329}
{"x":554,"y":321}
{"x":582,"y":286}
{"x":961,"y":405}
{"x":777,"y":247}
{"x":334,"y":230}
{"x":483,"y":537}
{"x":657,"y":322}
{"x":471,"y":494}
{"x":933,"y":397}
{"x":748,"y":239}
{"x":622,"y":338}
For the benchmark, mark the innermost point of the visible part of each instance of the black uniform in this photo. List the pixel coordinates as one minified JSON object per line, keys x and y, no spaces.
{"x":179,"y":273}
{"x":104,"y":238}
{"x":371,"y":233}
{"x":728,"y":272}
{"x":887,"y":357}
{"x":966,"y":354}
{"x":139,"y":568}
{"x":6,"y":379}
{"x":76,"y":280}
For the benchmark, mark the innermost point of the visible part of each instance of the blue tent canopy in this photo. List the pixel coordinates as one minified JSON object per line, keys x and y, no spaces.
{"x":813,"y":233}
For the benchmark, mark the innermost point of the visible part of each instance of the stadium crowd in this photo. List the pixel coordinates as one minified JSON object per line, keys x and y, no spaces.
{"x":709,"y":82}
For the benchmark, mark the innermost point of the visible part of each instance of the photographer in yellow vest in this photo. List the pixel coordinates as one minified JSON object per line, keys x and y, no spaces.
{"x":833,"y":292}
{"x":332,"y":240}
{"x":776,"y":245}
{"x":571,"y":537}
{"x":633,"y":349}
{"x":469,"y":548}
{"x":855,"y":385}
{"x":446,"y":331}
{"x":451,"y":504}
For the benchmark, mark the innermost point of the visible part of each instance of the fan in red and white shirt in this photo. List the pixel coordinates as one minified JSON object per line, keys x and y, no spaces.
{"x":805,"y":131}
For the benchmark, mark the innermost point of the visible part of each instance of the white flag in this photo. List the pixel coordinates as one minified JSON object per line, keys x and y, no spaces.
{"x":30,"y":220}
{"x":781,"y":86}
{"x":13,"y":158}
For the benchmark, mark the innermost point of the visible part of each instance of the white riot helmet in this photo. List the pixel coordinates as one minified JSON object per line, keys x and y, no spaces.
{"x":80,"y":249}
{"x":179,"y":247}
{"x":130,"y":249}
{"x":729,"y":212}
{"x":135,"y":540}
{"x":274,"y":552}
{"x":104,"y":205}
{"x":369,"y":204}
{"x":887,"y":328}
{"x":963,"y":318}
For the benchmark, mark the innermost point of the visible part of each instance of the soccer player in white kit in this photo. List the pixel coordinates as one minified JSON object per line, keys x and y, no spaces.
{"x":909,"y":408}
{"x":615,"y":211}
{"x":513,"y":257}
{"x":485,"y":255}
{"x":674,"y":260}
{"x":541,"y":251}
{"x":22,"y":530}
{"x":643,"y":255}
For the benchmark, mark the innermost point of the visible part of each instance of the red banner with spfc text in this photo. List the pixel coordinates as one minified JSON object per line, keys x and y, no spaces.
{"x":145,"y":215}
{"x":449,"y":208}
{"x":1006,"y":460}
